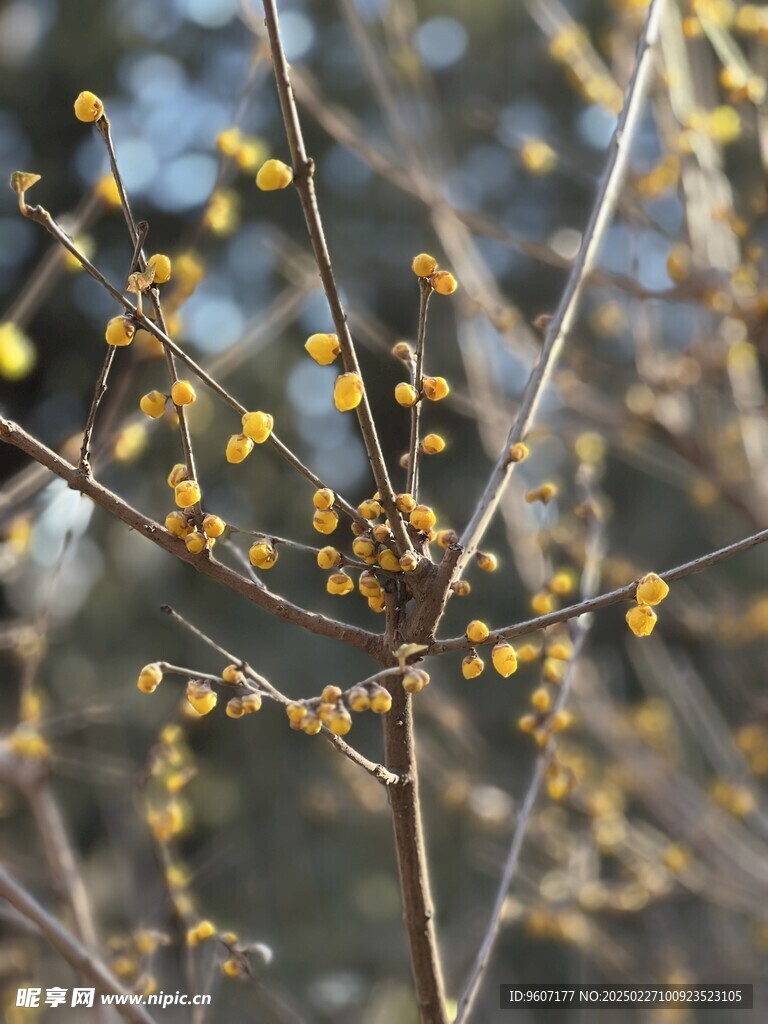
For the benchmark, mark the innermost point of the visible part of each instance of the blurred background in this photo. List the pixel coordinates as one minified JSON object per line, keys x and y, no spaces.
{"x":478,"y":133}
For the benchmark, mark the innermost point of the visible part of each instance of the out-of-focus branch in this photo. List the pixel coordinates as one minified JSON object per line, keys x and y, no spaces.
{"x":72,"y":949}
{"x":563,"y":319}
{"x":590,"y":579}
{"x":12,"y":433}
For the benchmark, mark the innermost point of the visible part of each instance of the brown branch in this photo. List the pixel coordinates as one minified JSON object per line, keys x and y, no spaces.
{"x":564,"y":317}
{"x":593,"y":604}
{"x":72,"y":949}
{"x":12,"y":433}
{"x":43,"y":217}
{"x":138,"y":234}
{"x":303,"y":168}
{"x":412,"y":863}
{"x":377,"y":771}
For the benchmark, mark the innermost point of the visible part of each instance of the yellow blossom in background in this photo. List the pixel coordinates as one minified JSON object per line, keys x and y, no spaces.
{"x":537,"y":156}
{"x":17,"y":352}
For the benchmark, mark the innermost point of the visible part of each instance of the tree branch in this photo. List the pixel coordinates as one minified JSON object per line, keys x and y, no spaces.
{"x":72,"y":949}
{"x":378,"y":771}
{"x":303,"y":168}
{"x":593,"y":604}
{"x":12,"y":433}
{"x":425,"y":291}
{"x":564,"y":317}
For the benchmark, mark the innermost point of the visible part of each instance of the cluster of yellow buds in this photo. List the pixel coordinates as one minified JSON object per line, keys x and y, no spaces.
{"x":257,"y":428}
{"x":332,"y":708}
{"x":650,"y":591}
{"x":425,"y":266}
{"x":200,"y":932}
{"x":545,"y":493}
{"x":545,"y":719}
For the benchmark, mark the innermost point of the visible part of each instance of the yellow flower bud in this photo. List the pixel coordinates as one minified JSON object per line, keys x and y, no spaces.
{"x":177,"y":524}
{"x":340,"y":721}
{"x":560,"y":649}
{"x":414,"y":680}
{"x":472,"y":666}
{"x":370,"y":509}
{"x":388,"y":560}
{"x":232,"y":675}
{"x":542,"y":603}
{"x":488,"y":563}
{"x":202,"y":931}
{"x":234,"y":708}
{"x":213,"y":526}
{"x":324,"y":498}
{"x":239,"y":447}
{"x":153,"y":404}
{"x":504,"y":658}
{"x":541,"y":699}
{"x":402,"y":350}
{"x":258,"y":426}
{"x":328,"y":558}
{"x":120,"y":331}
{"x":106,"y":189}
{"x":562,"y":583}
{"x":477,"y":631}
{"x":340,"y":584}
{"x":251,"y":703}
{"x":187,"y":493}
{"x":262,"y":554}
{"x":330,"y":694}
{"x":406,"y":395}
{"x":358,"y":699}
{"x":553,"y":670}
{"x":177,"y":474}
{"x":182,"y":393}
{"x":422,"y":518}
{"x":325,"y":520}
{"x":324,"y":348}
{"x":365,"y":549}
{"x":435,"y":388}
{"x":162,"y":265}
{"x":296,"y":712}
{"x":377,"y":604}
{"x":544,"y":494}
{"x":424,"y":265}
{"x":274,"y":175}
{"x":369,"y":585}
{"x":518,"y":452}
{"x":409,"y":561}
{"x":88,"y":107}
{"x":444,"y":283}
{"x":348,"y":391}
{"x":202,"y":698}
{"x":651,"y":589}
{"x":433,"y":444}
{"x":231,"y":967}
{"x":461,"y":588}
{"x":405,"y":503}
{"x":641,"y":619}
{"x":381,"y":700}
{"x":150,"y":678}
{"x":195,"y":542}
{"x":528,"y":653}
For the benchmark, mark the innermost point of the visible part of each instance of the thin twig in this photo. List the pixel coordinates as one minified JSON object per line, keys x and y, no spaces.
{"x":563,"y":319}
{"x":593,"y":604}
{"x":303,"y":168}
{"x":72,"y":949}
{"x":378,"y":771}
{"x":43,"y":217}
